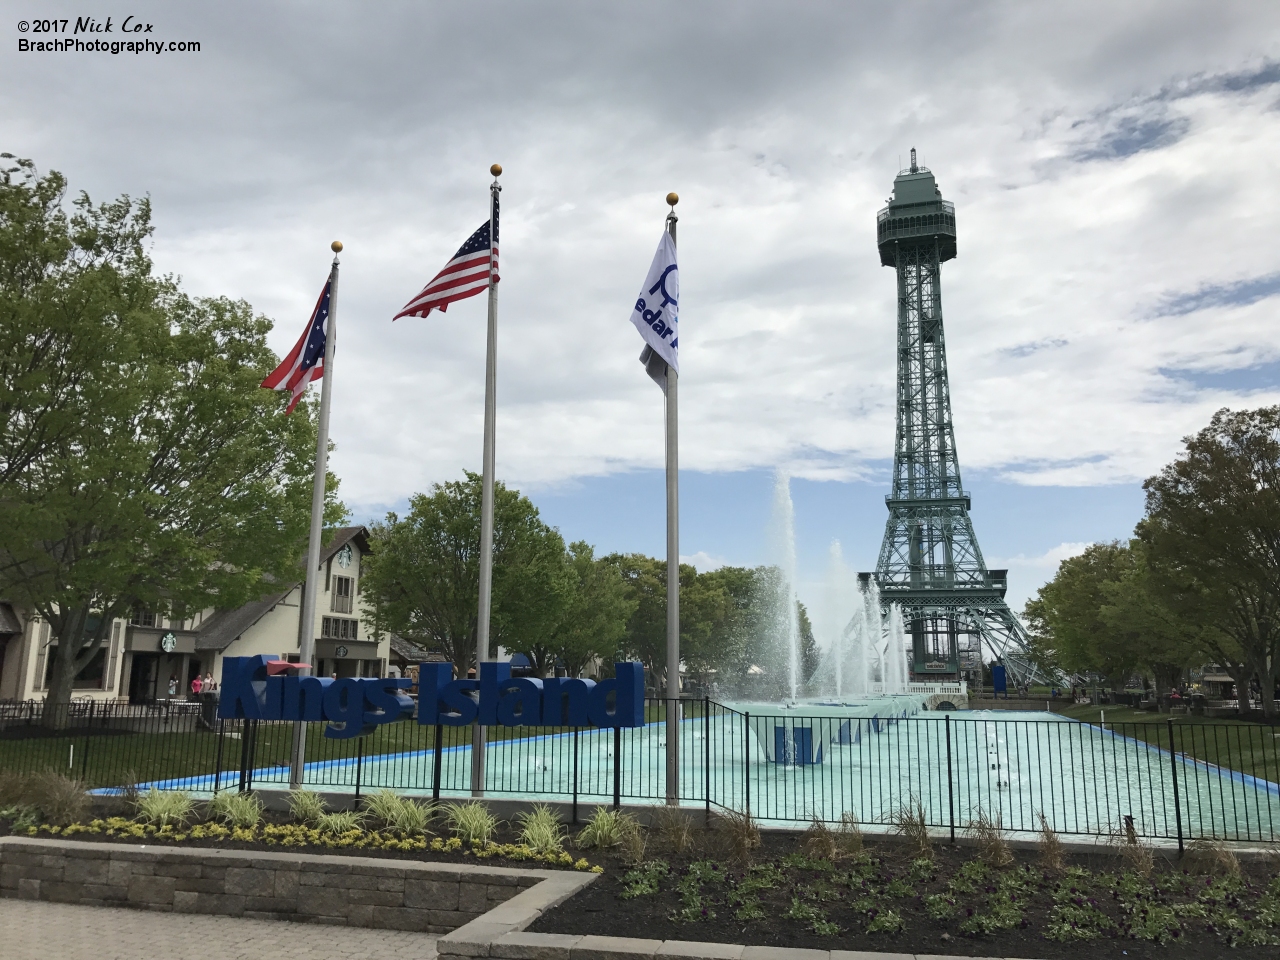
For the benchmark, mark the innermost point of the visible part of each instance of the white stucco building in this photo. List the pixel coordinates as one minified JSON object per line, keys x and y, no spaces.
{"x":144,"y":654}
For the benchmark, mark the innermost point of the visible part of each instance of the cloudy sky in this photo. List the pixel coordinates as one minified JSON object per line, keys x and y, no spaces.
{"x":1113,"y":168}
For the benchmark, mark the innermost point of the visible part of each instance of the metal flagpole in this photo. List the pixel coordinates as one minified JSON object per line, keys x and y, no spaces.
{"x":307,"y":615}
{"x":673,"y":564}
{"x":486,"y":483}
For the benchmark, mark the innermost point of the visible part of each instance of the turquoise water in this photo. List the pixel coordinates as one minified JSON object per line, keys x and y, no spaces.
{"x":1013,"y":766}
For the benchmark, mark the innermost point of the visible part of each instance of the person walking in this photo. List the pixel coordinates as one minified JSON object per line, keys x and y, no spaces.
{"x":196,"y":686}
{"x":173,"y":685}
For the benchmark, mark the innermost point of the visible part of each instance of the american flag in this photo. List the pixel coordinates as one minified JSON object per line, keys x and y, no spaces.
{"x":463,"y":276}
{"x":305,"y":361}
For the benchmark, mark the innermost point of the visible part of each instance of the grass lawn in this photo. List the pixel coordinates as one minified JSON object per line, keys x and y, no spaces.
{"x":161,"y":753}
{"x":1236,"y":744}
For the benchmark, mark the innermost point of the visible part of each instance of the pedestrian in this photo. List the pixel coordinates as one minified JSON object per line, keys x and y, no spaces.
{"x":210,"y":684}
{"x":197,"y":685}
{"x":173,"y":685}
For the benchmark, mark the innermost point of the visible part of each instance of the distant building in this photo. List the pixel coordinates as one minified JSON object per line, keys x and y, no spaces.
{"x":143,"y":654}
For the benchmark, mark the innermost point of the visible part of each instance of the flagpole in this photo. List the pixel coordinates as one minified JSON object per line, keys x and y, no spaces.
{"x":307,"y":614}
{"x":673,"y":564}
{"x":486,"y":482}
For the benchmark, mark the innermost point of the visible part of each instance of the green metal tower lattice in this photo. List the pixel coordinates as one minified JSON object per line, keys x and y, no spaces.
{"x":930,"y":563}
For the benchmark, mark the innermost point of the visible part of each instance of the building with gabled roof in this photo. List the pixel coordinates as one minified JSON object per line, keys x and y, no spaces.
{"x":149,"y":657}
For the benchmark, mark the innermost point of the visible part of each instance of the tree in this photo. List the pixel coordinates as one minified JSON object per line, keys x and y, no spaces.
{"x":140,"y":463}
{"x":423,"y":575}
{"x":1070,"y":608}
{"x":1100,"y":615}
{"x":702,"y":603}
{"x":1212,"y":533}
{"x":810,"y":655}
{"x":594,"y":622}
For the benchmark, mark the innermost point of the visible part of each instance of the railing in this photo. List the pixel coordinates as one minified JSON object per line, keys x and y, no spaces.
{"x":1171,"y":779}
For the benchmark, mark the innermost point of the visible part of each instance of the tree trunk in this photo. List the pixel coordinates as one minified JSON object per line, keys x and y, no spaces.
{"x":56,"y":714}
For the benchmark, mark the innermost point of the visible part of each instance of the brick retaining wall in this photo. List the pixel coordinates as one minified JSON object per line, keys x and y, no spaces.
{"x":354,"y":891}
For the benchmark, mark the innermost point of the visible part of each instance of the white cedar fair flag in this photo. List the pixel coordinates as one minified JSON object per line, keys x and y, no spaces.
{"x":656,"y":313}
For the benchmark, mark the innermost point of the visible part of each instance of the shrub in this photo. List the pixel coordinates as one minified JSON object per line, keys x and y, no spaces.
{"x":413,"y":817}
{"x":819,"y":841}
{"x":470,"y":822}
{"x":992,"y":846}
{"x":673,"y":830}
{"x":1211,"y":858}
{"x":909,"y":822}
{"x":606,"y":828}
{"x":49,"y":797}
{"x":738,"y":834}
{"x":164,"y":807}
{"x":1137,"y":856}
{"x":383,"y":807}
{"x":541,"y":830}
{"x":339,"y":822}
{"x":1052,"y":852}
{"x":305,"y":806}
{"x":849,"y":835}
{"x":236,"y":809}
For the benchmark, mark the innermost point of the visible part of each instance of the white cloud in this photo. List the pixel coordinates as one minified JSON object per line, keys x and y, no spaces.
{"x":1098,"y":169}
{"x":1026,"y":574}
{"x":703,"y":562}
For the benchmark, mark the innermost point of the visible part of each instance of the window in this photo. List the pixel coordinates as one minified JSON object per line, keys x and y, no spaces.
{"x":143,"y":618}
{"x":339,"y":628}
{"x":342,"y":594}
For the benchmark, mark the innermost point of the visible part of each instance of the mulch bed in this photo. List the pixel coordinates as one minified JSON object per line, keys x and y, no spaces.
{"x":785,"y":898}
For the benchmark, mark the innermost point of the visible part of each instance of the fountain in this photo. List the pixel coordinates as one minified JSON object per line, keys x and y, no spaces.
{"x":860,"y":685}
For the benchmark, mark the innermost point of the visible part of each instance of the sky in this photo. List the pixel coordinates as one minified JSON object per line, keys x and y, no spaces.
{"x":1112,"y":166}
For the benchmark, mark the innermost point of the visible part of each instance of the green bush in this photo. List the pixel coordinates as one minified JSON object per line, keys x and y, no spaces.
{"x":236,"y":809}
{"x":607,"y":828}
{"x":42,"y":798}
{"x":306,"y":806}
{"x":339,"y":822}
{"x":165,"y":807}
{"x":541,"y":830}
{"x":383,"y":807}
{"x":471,"y":822}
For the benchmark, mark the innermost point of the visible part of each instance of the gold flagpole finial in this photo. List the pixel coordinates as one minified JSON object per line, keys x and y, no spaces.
{"x":673,"y":198}
{"x":336,"y":246}
{"x":496,"y":169}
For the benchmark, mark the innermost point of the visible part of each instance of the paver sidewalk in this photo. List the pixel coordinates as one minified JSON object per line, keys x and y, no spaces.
{"x":33,"y":930}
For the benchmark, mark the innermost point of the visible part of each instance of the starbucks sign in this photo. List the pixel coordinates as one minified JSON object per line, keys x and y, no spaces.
{"x":168,"y":642}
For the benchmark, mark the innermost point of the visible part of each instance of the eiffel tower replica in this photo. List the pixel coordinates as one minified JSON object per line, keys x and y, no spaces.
{"x":930,"y":563}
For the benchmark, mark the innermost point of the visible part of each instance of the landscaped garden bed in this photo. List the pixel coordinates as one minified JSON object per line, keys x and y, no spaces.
{"x":828,"y":889}
{"x":386,"y":825}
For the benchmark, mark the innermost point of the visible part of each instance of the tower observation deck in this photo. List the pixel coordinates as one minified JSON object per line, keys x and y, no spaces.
{"x":930,"y":563}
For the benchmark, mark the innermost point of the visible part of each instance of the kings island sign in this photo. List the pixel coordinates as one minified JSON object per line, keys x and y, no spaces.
{"x":352,"y":706}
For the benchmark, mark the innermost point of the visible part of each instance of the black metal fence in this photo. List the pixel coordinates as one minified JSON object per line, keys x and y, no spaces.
{"x":1171,"y":779}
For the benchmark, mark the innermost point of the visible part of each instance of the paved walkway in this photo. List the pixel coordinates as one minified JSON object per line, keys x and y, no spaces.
{"x":32,"y":930}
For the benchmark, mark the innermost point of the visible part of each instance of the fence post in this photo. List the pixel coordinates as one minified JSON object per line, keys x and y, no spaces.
{"x":951,"y":802}
{"x":436,"y":762}
{"x":359,"y":763}
{"x":84,"y":760}
{"x":1177,"y":803}
{"x":617,"y":767}
{"x":244,"y":752}
{"x":746,"y":758}
{"x":575,"y":774}
{"x":253,"y":754}
{"x":217,"y":764}
{"x":706,"y":749}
